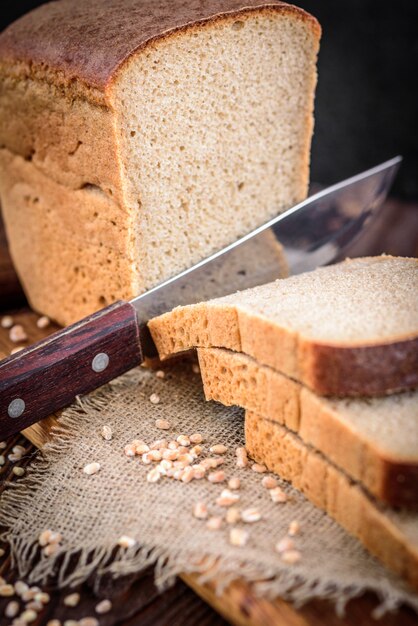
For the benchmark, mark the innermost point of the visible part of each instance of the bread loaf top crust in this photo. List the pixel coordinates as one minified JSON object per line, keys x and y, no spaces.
{"x":87,"y":42}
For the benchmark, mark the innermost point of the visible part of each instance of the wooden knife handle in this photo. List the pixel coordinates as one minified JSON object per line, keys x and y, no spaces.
{"x":48,"y":375}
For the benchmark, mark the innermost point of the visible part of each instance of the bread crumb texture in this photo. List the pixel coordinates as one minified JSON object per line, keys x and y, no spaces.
{"x":189,"y":141}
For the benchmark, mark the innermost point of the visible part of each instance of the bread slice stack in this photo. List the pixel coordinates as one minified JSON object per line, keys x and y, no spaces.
{"x":326,"y":366}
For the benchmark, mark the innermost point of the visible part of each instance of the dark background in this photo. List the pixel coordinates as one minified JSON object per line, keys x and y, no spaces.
{"x":367,"y":97}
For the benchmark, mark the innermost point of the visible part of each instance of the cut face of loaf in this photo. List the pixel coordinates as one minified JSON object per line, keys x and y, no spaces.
{"x":160,"y":131}
{"x":391,"y":536}
{"x":344,"y":330}
{"x":374,"y":440}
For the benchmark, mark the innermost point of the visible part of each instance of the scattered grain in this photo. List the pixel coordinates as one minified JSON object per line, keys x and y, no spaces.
{"x":53,"y":622}
{"x":12,"y":609}
{"x":172,"y":445}
{"x":233,"y":515}
{"x":269,"y":482}
{"x":199,"y":471}
{"x":294,"y":528}
{"x":242,"y":458}
{"x":234,"y":483}
{"x":129,"y":450}
{"x":3,"y":444}
{"x":107,"y":433}
{"x":126,"y":542}
{"x":103,"y":607}
{"x":200,"y":510}
{"x":28,"y":616}
{"x":17,"y":333}
{"x":71,"y":622}
{"x":227,"y":498}
{"x":196,"y":438}
{"x":238,"y":537}
{"x":196,"y":451}
{"x":259,"y":468}
{"x":6,"y":590}
{"x":16,"y":350}
{"x":21,"y":587}
{"x":43,"y":322}
{"x":141,"y":448}
{"x":14,"y":458}
{"x":153,"y":475}
{"x":154,"y":398}
{"x":160,"y":374}
{"x":195,"y":368}
{"x":18,"y":471}
{"x":88,"y":621}
{"x":146,"y":459}
{"x":188,"y":475}
{"x":217,"y":477}
{"x":291,"y":556}
{"x":55,"y":537}
{"x":214,"y":523}
{"x":285,"y":544}
{"x":35,"y":606}
{"x":42,"y":597}
{"x":159,"y":444}
{"x":183,"y":440}
{"x":162,"y":424}
{"x":51,"y":548}
{"x":219,"y":448}
{"x":251,"y":515}
{"x":278,"y":495}
{"x":91,"y":468}
{"x":2,"y":459}
{"x":170,"y":455}
{"x":72,"y":599}
{"x":7,"y":321}
{"x":2,"y":552}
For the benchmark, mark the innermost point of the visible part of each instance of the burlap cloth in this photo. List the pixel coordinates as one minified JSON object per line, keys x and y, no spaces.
{"x":92,"y":512}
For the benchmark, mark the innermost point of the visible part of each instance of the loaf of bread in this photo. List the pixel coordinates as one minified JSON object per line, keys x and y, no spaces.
{"x":344,"y":330}
{"x":139,"y":136}
{"x":373,"y":440}
{"x":390,"y":535}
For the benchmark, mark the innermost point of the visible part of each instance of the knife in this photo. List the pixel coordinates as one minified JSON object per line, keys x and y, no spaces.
{"x":48,"y":375}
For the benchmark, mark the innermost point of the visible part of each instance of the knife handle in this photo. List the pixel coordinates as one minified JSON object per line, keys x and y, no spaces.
{"x":46,"y":376}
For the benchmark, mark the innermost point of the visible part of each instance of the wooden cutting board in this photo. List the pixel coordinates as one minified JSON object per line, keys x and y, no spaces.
{"x":237,"y":604}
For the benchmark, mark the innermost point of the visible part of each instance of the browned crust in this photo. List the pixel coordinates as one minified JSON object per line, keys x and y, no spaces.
{"x":89,"y":43}
{"x":331,"y":490}
{"x":370,"y":370}
{"x":236,"y":379}
{"x":400,"y":483}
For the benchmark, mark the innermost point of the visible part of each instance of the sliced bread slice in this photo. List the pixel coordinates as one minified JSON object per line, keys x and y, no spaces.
{"x":391,"y":536}
{"x":343,"y":330}
{"x":374,"y":440}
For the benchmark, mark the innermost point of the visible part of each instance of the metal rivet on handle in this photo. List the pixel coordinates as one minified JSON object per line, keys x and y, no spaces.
{"x":100,"y":362}
{"x":16,"y":407}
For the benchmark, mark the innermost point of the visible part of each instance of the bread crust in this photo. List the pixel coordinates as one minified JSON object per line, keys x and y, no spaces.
{"x":383,"y":532}
{"x":236,"y":379}
{"x":80,"y":48}
{"x":93,"y":252}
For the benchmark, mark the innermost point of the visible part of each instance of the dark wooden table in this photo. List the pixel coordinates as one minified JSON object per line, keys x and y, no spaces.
{"x":135,"y":599}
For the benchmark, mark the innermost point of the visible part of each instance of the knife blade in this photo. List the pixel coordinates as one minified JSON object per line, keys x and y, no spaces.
{"x":48,"y":375}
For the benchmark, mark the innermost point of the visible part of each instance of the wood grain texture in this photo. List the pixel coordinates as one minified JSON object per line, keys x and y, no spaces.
{"x":50,"y":374}
{"x":135,"y":598}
